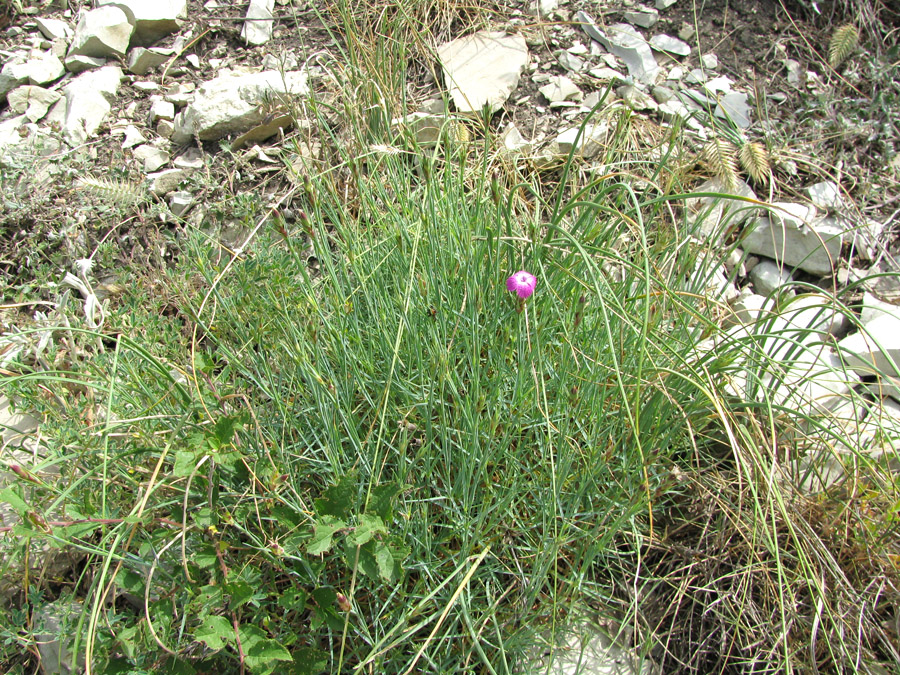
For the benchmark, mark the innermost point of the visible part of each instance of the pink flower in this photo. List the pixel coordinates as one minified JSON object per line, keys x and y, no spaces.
{"x":522,"y":283}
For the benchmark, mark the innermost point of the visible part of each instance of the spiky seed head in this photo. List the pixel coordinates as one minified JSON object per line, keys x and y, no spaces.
{"x":755,"y":161}
{"x":719,"y":157}
{"x":842,"y":44}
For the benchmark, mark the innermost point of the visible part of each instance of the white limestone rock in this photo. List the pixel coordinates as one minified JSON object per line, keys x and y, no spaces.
{"x":713,"y":217}
{"x":826,"y":196}
{"x":259,"y":22}
{"x":767,"y":277}
{"x":76,"y":63}
{"x":670,"y":45}
{"x":88,"y":100}
{"x":586,"y":144}
{"x":628,"y":44}
{"x":151,"y":158}
{"x":875,"y":350}
{"x":33,"y":102}
{"x":103,"y":32}
{"x":142,"y":60}
{"x":873,"y":308}
{"x":53,"y":29}
{"x":483,"y":69}
{"x":560,"y":88}
{"x":643,"y":16}
{"x":230,"y":103}
{"x":734,"y":106}
{"x":37,"y":70}
{"x":636,"y":99}
{"x":152,"y":19}
{"x":791,"y":236}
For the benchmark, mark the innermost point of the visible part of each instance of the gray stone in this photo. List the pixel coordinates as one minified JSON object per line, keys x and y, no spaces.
{"x":747,"y":308}
{"x":38,"y":70}
{"x":162,"y":110}
{"x":75,"y":63}
{"x":141,"y":60}
{"x":670,"y":45}
{"x":259,"y":22}
{"x":560,"y":88}
{"x":190,"y":160}
{"x":635,"y":99}
{"x":56,"y":625}
{"x":873,"y":308}
{"x":53,"y":29}
{"x":629,"y":45}
{"x":665,"y":4}
{"x":643,"y":16}
{"x":734,"y":106}
{"x":607,"y":74}
{"x":180,"y":202}
{"x":163,"y":182}
{"x":818,"y":313}
{"x":230,"y":103}
{"x":88,"y":99}
{"x":483,"y":69}
{"x":587,"y":144}
{"x":825,"y":195}
{"x":876,"y":349}
{"x":710,"y":61}
{"x":152,"y":19}
{"x":663,"y":94}
{"x":151,"y":158}
{"x":767,"y":277}
{"x":542,"y":7}
{"x":791,"y":237}
{"x":585,"y":649}
{"x":33,"y":101}
{"x":713,"y":217}
{"x":103,"y":32}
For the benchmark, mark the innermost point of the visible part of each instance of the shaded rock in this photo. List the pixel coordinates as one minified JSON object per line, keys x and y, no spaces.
{"x":230,"y":103}
{"x":747,"y":308}
{"x":56,"y":625}
{"x":162,"y":110}
{"x":790,"y":237}
{"x":180,"y":202}
{"x":141,"y":60}
{"x":587,"y":143}
{"x":560,"y":88}
{"x":665,"y":4}
{"x":714,"y":216}
{"x":259,"y":22}
{"x":635,"y":99}
{"x":76,"y":63}
{"x":670,"y":45}
{"x":102,"y":32}
{"x":53,"y":29}
{"x":734,"y":106}
{"x":483,"y":69}
{"x":825,"y":195}
{"x":88,"y":99}
{"x":643,"y":16}
{"x":767,"y":277}
{"x":152,"y":19}
{"x":33,"y":101}
{"x":151,"y":158}
{"x":629,"y":45}
{"x":818,"y":313}
{"x":163,"y":182}
{"x":873,"y":308}
{"x":512,"y":141}
{"x":190,"y":160}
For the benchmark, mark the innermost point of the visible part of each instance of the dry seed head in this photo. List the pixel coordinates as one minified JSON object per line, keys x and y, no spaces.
{"x":719,"y":156}
{"x":842,"y":44}
{"x":755,"y":161}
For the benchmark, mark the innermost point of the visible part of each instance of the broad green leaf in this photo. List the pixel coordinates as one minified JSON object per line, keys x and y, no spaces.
{"x":323,"y":531}
{"x":367,"y":528}
{"x":11,"y":496}
{"x":185,"y":461}
{"x":215,"y":631}
{"x":309,"y":661}
{"x":385,"y":560}
{"x":381,"y":502}
{"x":338,"y":500}
{"x":241,"y":593}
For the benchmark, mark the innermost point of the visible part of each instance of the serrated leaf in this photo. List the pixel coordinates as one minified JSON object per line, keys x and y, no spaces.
{"x":339,"y":500}
{"x":215,"y":631}
{"x":367,"y":528}
{"x":309,"y":661}
{"x":323,"y":531}
{"x":241,"y":593}
{"x":185,"y":461}
{"x":381,"y":502}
